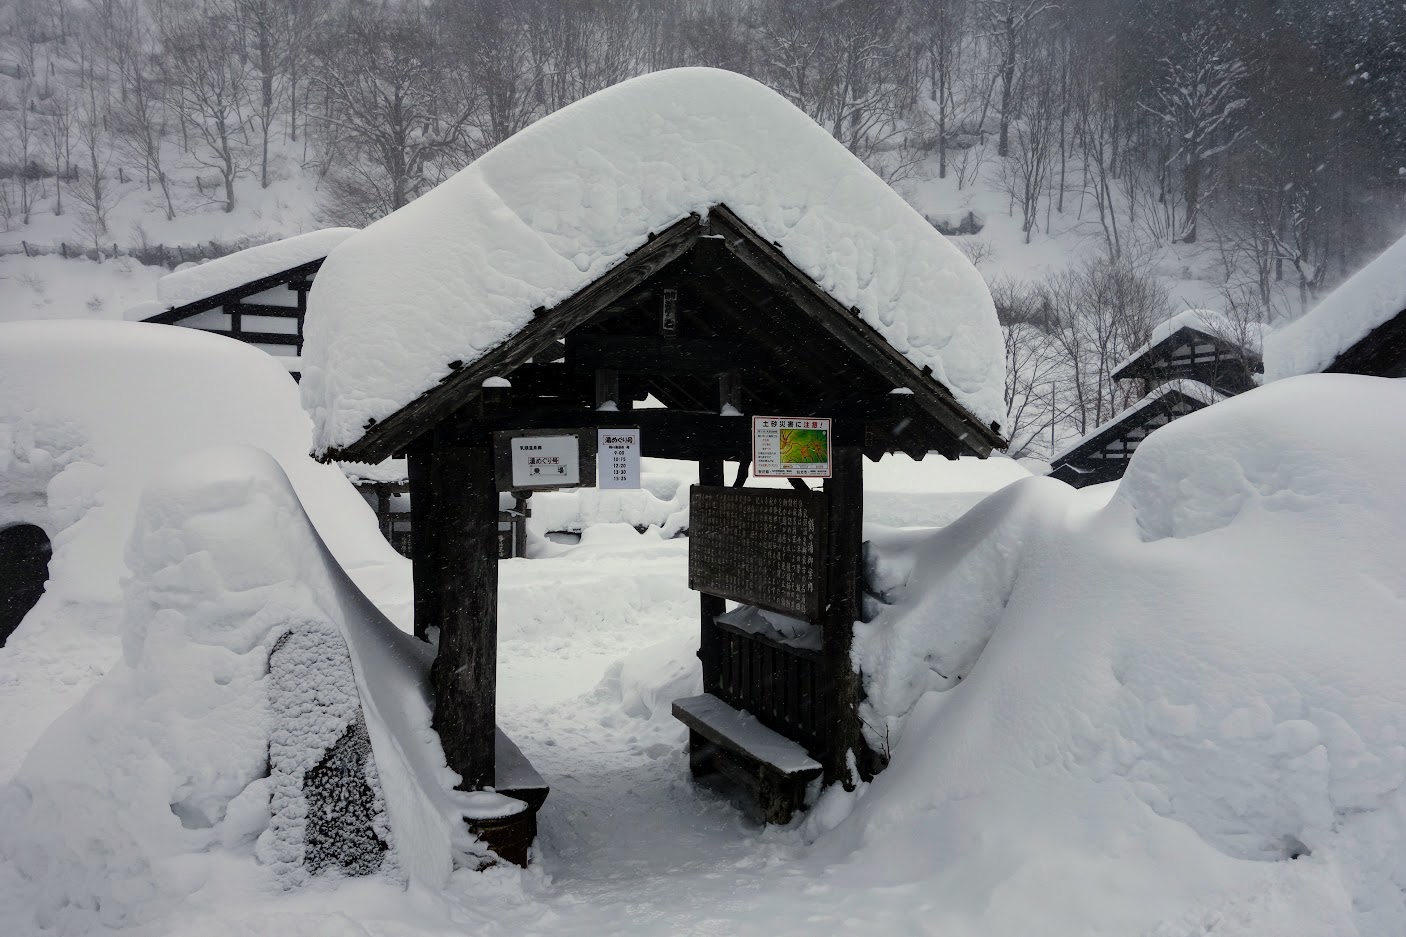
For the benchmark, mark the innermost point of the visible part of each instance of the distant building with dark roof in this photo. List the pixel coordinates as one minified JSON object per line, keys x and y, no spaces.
{"x":1195,"y":345}
{"x":258,"y":295}
{"x":1102,"y":455}
{"x":1358,"y":328}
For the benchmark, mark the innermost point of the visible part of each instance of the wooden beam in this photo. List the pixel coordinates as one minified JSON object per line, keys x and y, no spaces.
{"x":464,"y":675}
{"x":607,"y":388}
{"x":646,"y":354}
{"x":844,"y":591}
{"x":769,"y":263}
{"x":262,"y":309}
{"x":710,"y":473}
{"x":424,"y":541}
{"x":457,"y":388}
{"x":664,"y":434}
{"x":292,"y":274}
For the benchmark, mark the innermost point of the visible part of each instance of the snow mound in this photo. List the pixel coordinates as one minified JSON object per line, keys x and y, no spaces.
{"x":118,"y":809}
{"x":201,"y":281}
{"x":1369,"y":298}
{"x":89,"y":411}
{"x":1176,"y":690}
{"x":459,"y":271}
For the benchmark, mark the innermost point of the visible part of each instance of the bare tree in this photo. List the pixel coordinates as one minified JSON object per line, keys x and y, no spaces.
{"x":264,"y":26}
{"x":390,"y":107}
{"x":1199,"y":103}
{"x":204,"y":69}
{"x":1008,"y":24}
{"x":92,"y":188}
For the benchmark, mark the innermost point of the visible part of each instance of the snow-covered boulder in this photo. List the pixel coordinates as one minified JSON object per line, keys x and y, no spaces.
{"x":459,"y":271}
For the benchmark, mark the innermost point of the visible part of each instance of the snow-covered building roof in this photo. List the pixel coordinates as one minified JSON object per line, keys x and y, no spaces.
{"x":437,"y":285}
{"x":1359,"y":328}
{"x":213,"y":277}
{"x":1102,"y":454}
{"x":1199,"y":345}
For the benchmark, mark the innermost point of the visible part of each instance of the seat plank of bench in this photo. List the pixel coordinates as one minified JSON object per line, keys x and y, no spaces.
{"x":741,"y":732}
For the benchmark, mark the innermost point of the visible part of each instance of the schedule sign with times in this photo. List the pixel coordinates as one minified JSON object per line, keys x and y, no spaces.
{"x":791,"y":447}
{"x":618,"y":458}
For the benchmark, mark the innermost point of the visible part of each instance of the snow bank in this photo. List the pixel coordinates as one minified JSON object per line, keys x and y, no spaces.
{"x":213,"y":277}
{"x":1175,"y":691}
{"x":90,"y":410}
{"x":117,"y":810}
{"x":459,"y":271}
{"x":1369,"y":298}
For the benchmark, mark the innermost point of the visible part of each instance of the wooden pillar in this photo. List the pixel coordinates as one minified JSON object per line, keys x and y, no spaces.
{"x":424,"y":541}
{"x":844,"y":593}
{"x":710,"y":473}
{"x":465,"y":671}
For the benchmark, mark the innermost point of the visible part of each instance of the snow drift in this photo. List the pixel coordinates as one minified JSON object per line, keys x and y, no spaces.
{"x":116,"y":812}
{"x":460,"y":270}
{"x":1171,"y":690}
{"x":89,"y":411}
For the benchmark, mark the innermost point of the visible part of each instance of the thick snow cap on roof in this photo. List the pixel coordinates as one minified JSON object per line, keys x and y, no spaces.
{"x":1369,"y":298}
{"x":234,"y":270}
{"x":458,"y":272}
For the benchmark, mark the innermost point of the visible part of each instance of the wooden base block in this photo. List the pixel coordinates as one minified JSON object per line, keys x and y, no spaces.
{"x":508,"y":837}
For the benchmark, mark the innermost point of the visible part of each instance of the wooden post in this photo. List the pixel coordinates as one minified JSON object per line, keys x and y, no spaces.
{"x":710,"y":472}
{"x":729,"y":392}
{"x":844,"y":592}
{"x":424,"y":541}
{"x":607,"y":389}
{"x":465,"y":671}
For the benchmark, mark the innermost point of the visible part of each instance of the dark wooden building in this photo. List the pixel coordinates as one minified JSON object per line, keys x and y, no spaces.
{"x":1189,"y":347}
{"x":1102,"y":455}
{"x":1380,"y":353}
{"x":1358,"y":328}
{"x":258,"y":295}
{"x":714,"y":322}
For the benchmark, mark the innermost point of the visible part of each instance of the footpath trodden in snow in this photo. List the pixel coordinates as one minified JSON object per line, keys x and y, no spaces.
{"x":1170,"y":706}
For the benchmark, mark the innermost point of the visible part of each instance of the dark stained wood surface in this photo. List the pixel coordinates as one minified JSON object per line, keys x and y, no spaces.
{"x":761,"y":546}
{"x":465,"y":671}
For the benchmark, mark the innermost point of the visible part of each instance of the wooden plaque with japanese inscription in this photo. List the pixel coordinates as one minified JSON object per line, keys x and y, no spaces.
{"x":761,"y":546}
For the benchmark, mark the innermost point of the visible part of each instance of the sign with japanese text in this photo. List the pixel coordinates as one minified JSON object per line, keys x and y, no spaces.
{"x":618,"y":458}
{"x":790,"y":447}
{"x":761,"y":546}
{"x":545,"y":461}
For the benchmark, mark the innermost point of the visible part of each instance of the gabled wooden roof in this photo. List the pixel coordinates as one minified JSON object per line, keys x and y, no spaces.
{"x":1211,"y":359}
{"x":1103,"y":454}
{"x":791,"y":340}
{"x":301,"y":272}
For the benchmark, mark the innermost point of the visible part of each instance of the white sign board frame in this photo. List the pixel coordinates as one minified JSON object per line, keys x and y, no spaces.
{"x":544,"y":459}
{"x":618,"y":458}
{"x":770,"y":445}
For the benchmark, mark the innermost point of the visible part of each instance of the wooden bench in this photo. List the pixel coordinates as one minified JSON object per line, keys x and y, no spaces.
{"x":734,"y":744}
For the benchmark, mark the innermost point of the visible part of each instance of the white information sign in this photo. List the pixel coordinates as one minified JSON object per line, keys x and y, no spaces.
{"x":544,"y":461}
{"x":790,"y":447}
{"x":618,"y":458}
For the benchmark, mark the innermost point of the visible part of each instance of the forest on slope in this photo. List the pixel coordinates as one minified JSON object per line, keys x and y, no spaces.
{"x":1264,"y":140}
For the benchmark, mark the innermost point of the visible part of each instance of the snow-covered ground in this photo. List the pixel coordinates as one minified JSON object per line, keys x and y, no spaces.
{"x":1170,"y":708}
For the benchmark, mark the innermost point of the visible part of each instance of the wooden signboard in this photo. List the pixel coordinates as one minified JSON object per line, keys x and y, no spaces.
{"x":762,"y":546}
